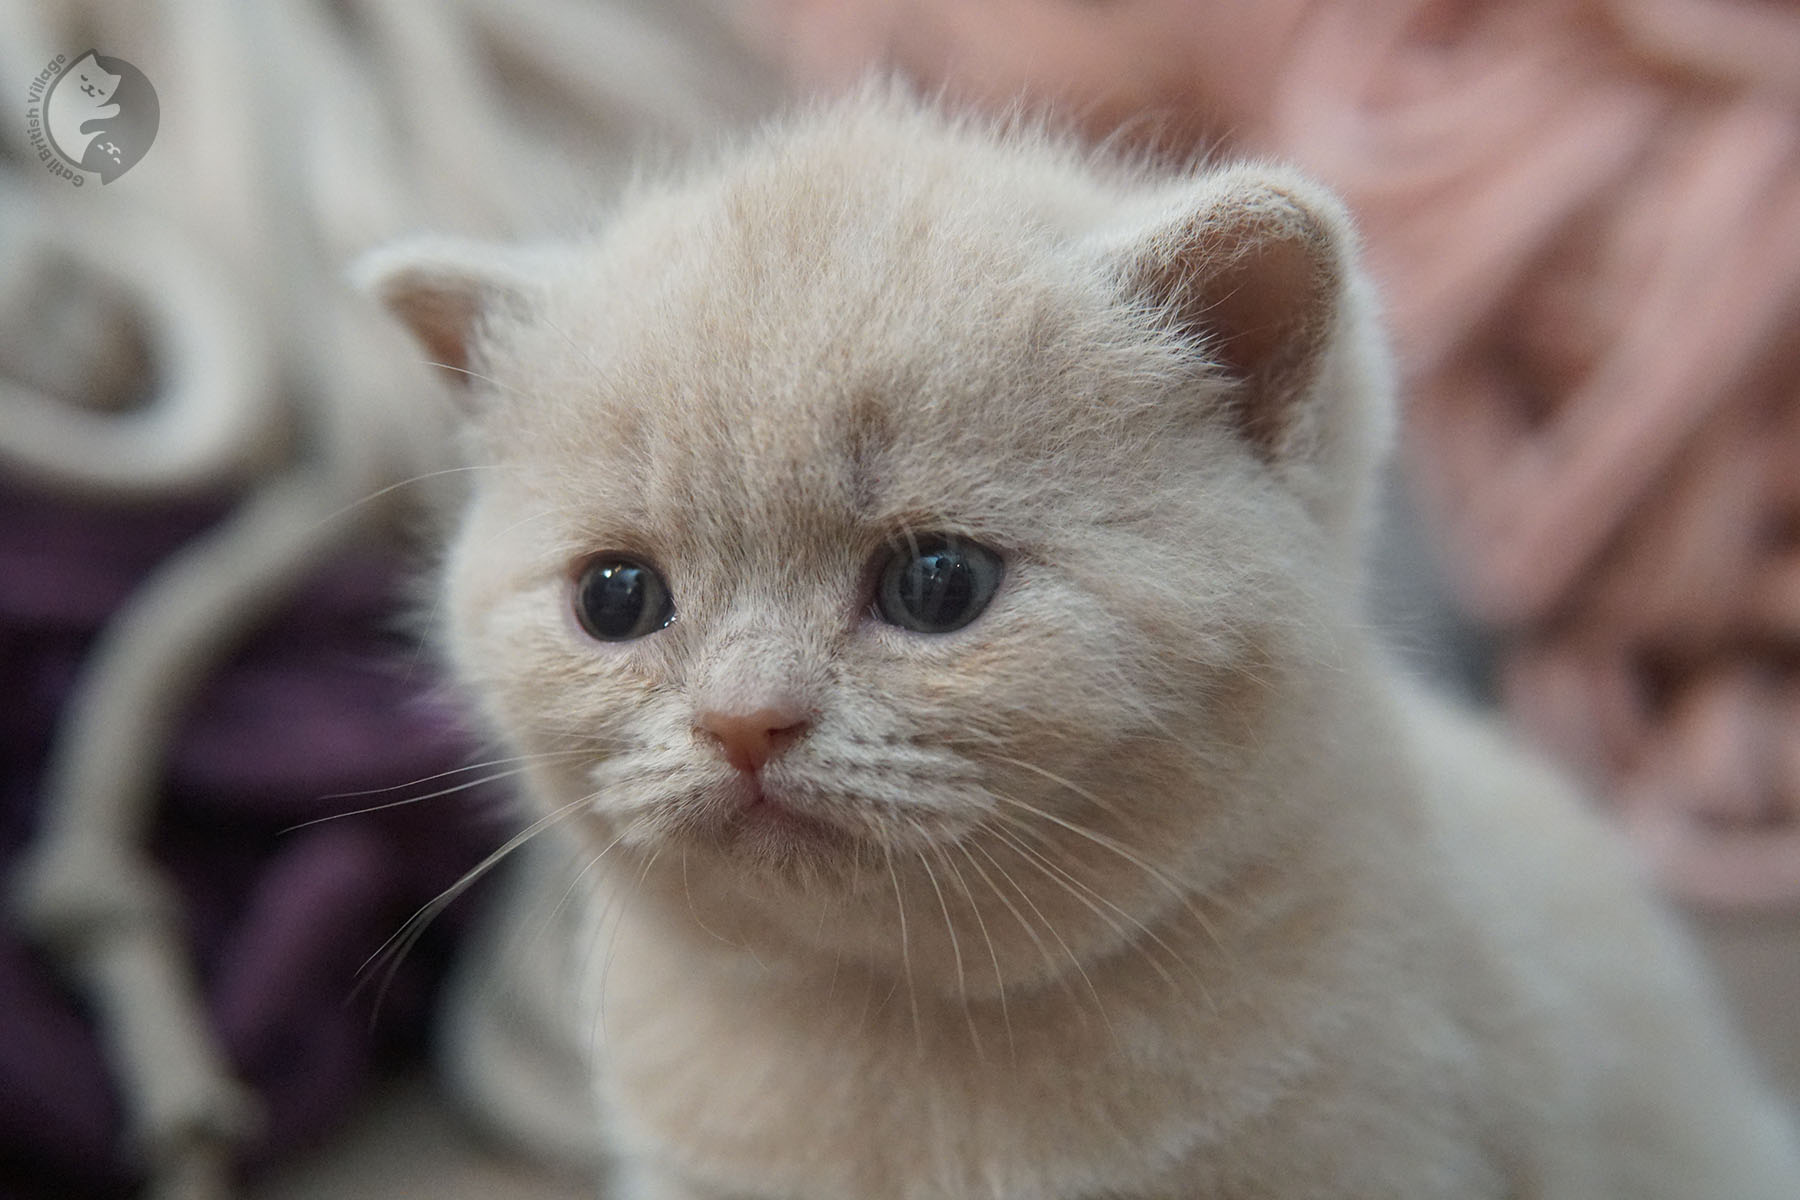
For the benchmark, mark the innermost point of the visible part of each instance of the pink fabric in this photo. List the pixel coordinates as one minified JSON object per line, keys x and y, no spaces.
{"x":1586,"y":218}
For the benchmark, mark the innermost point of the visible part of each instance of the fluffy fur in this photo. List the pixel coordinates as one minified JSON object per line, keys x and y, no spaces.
{"x":1155,"y":880}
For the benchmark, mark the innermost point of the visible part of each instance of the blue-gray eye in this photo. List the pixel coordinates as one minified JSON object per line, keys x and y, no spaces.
{"x":936,"y":584}
{"x":618,"y":598}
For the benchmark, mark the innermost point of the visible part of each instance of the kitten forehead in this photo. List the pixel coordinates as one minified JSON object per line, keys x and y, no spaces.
{"x":859,"y":295}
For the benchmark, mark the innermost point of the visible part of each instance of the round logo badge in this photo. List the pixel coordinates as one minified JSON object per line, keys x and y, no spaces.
{"x":100,"y":114}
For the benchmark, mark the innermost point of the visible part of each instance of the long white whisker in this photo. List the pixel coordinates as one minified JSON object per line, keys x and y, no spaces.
{"x":912,"y":992}
{"x":618,"y":908}
{"x":962,"y":987}
{"x":1077,"y":887}
{"x":462,"y":770}
{"x":477,"y":375}
{"x":403,"y":939}
{"x":1087,"y":794}
{"x":464,"y":786}
{"x":692,"y":911}
{"x":1052,"y":970}
{"x":1099,"y":1005}
{"x":569,"y":892}
{"x":389,"y":489}
{"x":1156,"y":874}
{"x":993,"y":955}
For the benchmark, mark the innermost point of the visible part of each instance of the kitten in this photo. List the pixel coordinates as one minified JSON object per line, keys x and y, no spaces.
{"x":921,"y":562}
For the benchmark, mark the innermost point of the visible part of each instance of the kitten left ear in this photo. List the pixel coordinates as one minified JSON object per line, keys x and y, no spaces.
{"x":446,"y":292}
{"x":1257,"y":266}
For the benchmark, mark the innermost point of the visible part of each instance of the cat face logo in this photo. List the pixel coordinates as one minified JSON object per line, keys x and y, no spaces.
{"x":99,"y":114}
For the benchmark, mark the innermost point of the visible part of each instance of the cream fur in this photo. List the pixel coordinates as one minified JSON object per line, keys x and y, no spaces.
{"x":1154,"y":881}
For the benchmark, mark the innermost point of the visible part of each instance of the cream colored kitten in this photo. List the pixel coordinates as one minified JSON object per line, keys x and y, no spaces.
{"x":924,"y":563}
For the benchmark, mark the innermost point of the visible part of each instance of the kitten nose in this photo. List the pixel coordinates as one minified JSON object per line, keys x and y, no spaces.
{"x":751,"y":739}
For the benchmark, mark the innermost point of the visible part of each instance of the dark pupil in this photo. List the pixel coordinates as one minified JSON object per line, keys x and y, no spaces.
{"x":938,"y":586}
{"x":613,"y":599}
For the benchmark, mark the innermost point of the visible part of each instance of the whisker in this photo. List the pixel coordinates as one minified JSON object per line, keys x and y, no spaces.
{"x":591,"y":982}
{"x":477,"y":375}
{"x":1072,"y":882}
{"x":1156,"y":874}
{"x":912,"y":993}
{"x":837,"y":962}
{"x":618,"y":908}
{"x":993,"y":955}
{"x":1076,"y":889}
{"x":1099,"y":1005}
{"x":1087,"y":794}
{"x":692,"y":911}
{"x":863,"y":1014}
{"x":379,"y":493}
{"x":464,"y":786}
{"x":563,"y":900}
{"x":462,"y":770}
{"x":1051,"y":969}
{"x":402,"y":940}
{"x":962,"y":987}
{"x":524,"y":521}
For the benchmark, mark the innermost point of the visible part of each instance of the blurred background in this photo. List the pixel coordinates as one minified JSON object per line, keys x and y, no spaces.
{"x":221,"y":472}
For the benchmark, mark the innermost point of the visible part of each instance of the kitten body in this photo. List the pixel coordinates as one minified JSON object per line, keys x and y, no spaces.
{"x":1154,"y":879}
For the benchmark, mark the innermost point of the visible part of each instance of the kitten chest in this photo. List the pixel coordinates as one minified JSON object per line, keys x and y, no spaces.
{"x":774,"y":1091}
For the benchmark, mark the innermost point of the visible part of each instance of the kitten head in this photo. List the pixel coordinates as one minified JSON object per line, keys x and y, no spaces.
{"x":912,"y":517}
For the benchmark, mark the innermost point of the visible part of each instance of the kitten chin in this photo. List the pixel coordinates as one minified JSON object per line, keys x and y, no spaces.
{"x":919,"y":567}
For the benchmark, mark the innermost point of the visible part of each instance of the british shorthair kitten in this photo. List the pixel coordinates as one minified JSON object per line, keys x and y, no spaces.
{"x":921,"y":563}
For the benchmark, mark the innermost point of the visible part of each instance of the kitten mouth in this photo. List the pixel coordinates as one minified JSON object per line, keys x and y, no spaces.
{"x":763,"y":820}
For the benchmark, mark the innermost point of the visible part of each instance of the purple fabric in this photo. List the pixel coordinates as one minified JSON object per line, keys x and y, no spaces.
{"x":326,"y":698}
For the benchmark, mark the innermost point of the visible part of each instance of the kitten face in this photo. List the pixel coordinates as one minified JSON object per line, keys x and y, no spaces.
{"x":766,"y":392}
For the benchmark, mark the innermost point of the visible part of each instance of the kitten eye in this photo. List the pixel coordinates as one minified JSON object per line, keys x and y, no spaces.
{"x":937,"y":584}
{"x":618,"y":598}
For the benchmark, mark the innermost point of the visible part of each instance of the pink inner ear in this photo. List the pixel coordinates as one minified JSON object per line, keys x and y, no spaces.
{"x":440,"y":314}
{"x":1257,"y":287}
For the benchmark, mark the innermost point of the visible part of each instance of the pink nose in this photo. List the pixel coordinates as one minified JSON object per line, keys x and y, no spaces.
{"x":751,"y":739}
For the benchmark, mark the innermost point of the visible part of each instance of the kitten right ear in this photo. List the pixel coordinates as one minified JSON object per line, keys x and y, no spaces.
{"x":444,"y":291}
{"x":1256,"y":265}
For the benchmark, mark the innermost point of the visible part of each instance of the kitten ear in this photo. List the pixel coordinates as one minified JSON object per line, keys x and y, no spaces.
{"x":1257,"y":266}
{"x":445,"y":291}
{"x":1250,"y":266}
